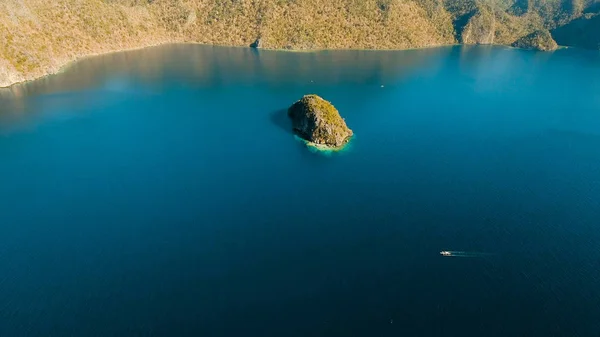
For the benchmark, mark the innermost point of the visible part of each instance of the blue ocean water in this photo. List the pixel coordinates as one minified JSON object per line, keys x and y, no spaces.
{"x":161,"y":193}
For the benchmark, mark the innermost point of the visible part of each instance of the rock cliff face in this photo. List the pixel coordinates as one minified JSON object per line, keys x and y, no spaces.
{"x":318,"y":121}
{"x":538,"y":40}
{"x":256,"y":44}
{"x":480,"y":29}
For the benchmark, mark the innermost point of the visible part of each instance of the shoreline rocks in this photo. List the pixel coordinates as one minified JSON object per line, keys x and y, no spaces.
{"x":256,"y":44}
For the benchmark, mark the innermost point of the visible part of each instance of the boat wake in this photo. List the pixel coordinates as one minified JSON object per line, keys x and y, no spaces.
{"x":455,"y":253}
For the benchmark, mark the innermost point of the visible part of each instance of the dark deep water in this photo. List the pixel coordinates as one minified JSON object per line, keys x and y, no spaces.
{"x":160,"y":193}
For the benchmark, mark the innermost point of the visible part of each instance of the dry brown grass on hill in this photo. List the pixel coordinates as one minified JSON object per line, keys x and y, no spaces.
{"x":351,"y":24}
{"x":37,"y":37}
{"x":511,"y":28}
{"x":40,"y":36}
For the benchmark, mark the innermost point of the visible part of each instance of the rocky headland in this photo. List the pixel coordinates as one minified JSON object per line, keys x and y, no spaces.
{"x":538,"y":40}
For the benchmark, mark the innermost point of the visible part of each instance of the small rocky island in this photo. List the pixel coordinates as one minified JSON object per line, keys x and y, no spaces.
{"x":319,"y":123}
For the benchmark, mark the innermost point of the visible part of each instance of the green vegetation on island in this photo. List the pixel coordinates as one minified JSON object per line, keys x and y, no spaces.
{"x":318,"y":122}
{"x":38,"y":37}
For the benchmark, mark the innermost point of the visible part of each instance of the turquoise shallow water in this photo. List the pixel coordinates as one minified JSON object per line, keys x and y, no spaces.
{"x":161,"y":193}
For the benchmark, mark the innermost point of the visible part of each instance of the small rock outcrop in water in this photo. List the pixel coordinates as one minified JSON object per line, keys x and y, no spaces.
{"x":318,"y":121}
{"x":256,"y":44}
{"x":538,"y":40}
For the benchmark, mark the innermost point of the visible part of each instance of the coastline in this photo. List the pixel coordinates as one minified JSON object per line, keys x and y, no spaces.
{"x":42,"y":38}
{"x":69,"y":63}
{"x":61,"y":68}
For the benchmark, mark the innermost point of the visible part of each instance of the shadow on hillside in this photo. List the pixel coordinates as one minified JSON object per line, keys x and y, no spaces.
{"x":583,"y":33}
{"x":280,"y":119}
{"x":460,"y":23}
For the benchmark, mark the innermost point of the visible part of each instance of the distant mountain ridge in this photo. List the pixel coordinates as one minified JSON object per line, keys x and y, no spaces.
{"x":38,"y":37}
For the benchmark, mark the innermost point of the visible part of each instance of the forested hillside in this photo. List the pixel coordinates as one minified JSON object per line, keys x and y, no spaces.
{"x":38,"y":37}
